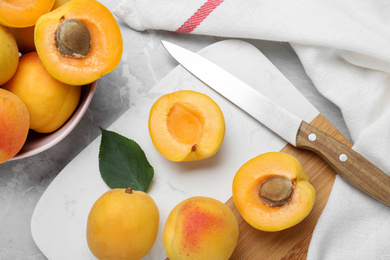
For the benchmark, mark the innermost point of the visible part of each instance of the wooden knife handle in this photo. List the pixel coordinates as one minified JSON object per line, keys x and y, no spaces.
{"x":350,"y":165}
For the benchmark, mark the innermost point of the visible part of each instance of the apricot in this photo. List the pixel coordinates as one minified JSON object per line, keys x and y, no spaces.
{"x":122,"y":225}
{"x":79,"y":41}
{"x":23,"y":13}
{"x":50,"y":102}
{"x":9,"y":55}
{"x":14,"y":125}
{"x":200,"y":228}
{"x":24,"y":38}
{"x":186,"y":126}
{"x":272,"y":191}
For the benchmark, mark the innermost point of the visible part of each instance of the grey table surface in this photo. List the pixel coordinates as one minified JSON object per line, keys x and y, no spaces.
{"x":144,"y":63}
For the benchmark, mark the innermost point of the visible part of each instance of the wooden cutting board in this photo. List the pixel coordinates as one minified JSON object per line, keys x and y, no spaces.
{"x":58,"y":223}
{"x":291,"y":243}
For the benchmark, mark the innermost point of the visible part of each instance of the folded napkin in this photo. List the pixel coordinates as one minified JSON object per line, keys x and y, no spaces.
{"x":344,"y":47}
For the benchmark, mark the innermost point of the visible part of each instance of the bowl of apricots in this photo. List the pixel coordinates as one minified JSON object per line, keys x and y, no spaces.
{"x":52,"y":54}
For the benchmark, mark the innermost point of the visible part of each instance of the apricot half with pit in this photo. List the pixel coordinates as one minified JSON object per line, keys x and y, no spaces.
{"x":272,"y":191}
{"x":200,"y":228}
{"x":186,"y":126}
{"x":79,"y":41}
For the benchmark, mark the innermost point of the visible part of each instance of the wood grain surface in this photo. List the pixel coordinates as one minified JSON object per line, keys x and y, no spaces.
{"x":292,"y":243}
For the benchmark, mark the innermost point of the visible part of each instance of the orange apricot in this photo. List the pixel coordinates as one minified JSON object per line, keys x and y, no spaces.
{"x":122,"y":225}
{"x":200,"y":228}
{"x":23,"y":13}
{"x":79,"y":41}
{"x":272,"y":192}
{"x":186,"y":126}
{"x":9,"y":55}
{"x":14,"y":124}
{"x":50,"y":102}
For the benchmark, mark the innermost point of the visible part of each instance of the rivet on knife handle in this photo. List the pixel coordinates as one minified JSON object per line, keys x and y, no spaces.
{"x":350,"y":165}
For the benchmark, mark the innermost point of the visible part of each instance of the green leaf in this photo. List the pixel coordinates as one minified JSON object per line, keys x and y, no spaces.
{"x":122,"y":162}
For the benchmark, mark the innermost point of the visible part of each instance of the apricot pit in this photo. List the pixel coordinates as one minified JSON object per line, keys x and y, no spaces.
{"x":276,"y":191}
{"x":73,"y":38}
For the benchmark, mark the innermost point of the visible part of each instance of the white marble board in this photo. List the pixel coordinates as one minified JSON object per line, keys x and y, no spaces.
{"x":58,"y":224}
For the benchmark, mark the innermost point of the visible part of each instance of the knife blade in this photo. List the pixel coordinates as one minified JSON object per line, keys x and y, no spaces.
{"x":346,"y":162}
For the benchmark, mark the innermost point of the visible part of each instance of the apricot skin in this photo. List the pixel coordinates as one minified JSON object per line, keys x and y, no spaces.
{"x":122,"y":226}
{"x":9,"y":55}
{"x":23,"y":13}
{"x":24,"y":38}
{"x":186,"y":126}
{"x":254,"y":210}
{"x":200,"y":228}
{"x":49,"y":102}
{"x":14,"y":125}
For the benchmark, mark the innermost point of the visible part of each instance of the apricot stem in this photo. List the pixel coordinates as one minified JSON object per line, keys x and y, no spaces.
{"x":73,"y":38}
{"x":129,"y":190}
{"x":276,"y":191}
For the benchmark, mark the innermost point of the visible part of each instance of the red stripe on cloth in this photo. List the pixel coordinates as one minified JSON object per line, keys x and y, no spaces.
{"x":199,"y":16}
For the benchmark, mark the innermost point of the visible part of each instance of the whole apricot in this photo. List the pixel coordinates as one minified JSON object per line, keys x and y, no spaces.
{"x":200,"y":228}
{"x":272,"y":191}
{"x":186,"y":126}
{"x":14,"y":125}
{"x":9,"y":55}
{"x":49,"y":102}
{"x":122,"y":225}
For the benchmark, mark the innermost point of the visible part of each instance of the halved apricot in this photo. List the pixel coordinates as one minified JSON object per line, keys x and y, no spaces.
{"x":186,"y":126}
{"x":23,"y":13}
{"x":79,"y":42}
{"x":272,"y":191}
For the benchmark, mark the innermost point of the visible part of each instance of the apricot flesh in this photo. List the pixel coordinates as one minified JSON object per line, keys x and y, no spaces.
{"x":200,"y":228}
{"x":122,"y":225}
{"x":14,"y":125}
{"x":186,"y":126}
{"x":50,"y":102}
{"x":9,"y":55}
{"x":284,"y":203}
{"x":99,"y":53}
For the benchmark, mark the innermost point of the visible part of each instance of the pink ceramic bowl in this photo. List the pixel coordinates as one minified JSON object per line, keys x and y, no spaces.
{"x":37,"y":142}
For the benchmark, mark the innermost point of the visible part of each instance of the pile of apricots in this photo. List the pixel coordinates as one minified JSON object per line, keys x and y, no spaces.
{"x":272,"y":192}
{"x":49,"y":50}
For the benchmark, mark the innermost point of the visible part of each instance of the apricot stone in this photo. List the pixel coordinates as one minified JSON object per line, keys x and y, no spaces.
{"x":200,"y":228}
{"x":186,"y":126}
{"x":58,"y":35}
{"x":50,"y":102}
{"x":122,"y":225}
{"x":9,"y":55}
{"x":14,"y":125}
{"x":272,"y":191}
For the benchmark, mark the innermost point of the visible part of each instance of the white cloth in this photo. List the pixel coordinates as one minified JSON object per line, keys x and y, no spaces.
{"x":344,"y":46}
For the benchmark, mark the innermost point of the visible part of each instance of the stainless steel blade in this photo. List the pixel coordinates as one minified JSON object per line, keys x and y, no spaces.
{"x":273,"y":116}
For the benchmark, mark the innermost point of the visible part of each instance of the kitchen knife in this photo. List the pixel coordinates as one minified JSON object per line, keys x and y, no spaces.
{"x":350,"y":165}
